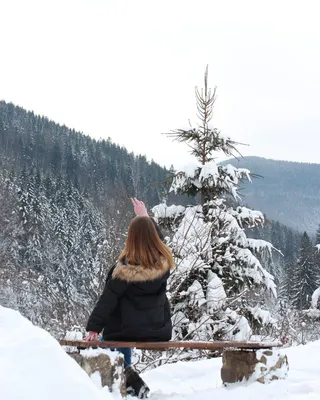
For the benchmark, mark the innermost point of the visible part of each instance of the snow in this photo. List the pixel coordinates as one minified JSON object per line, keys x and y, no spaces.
{"x":179,"y":318}
{"x":259,"y":245}
{"x":209,"y":174}
{"x":216,"y":294}
{"x":209,"y":171}
{"x":318,"y":247}
{"x":196,"y":294}
{"x":236,"y":174}
{"x":315,"y":298}
{"x":74,"y":335}
{"x":241,"y":330}
{"x":189,"y":170}
{"x":262,"y":315}
{"x":270,"y":361}
{"x":33,"y":366}
{"x":163,"y":211}
{"x":88,"y":353}
{"x":256,"y":271}
{"x":250,"y":217}
{"x":201,"y":380}
{"x":312,"y":313}
{"x":192,"y":234}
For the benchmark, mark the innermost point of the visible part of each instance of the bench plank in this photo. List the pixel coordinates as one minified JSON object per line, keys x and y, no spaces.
{"x":171,"y":345}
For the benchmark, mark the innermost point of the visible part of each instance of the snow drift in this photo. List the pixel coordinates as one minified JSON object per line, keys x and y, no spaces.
{"x":33,"y":366}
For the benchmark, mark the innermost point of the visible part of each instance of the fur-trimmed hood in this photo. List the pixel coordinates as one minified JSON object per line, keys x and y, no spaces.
{"x":139,"y":273}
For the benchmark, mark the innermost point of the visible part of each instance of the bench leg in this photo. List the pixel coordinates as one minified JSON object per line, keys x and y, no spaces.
{"x":253,"y":365}
{"x":111,"y":372}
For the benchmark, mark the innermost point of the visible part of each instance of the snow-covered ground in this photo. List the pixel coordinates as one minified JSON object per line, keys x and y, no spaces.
{"x":201,"y":380}
{"x":33,"y":366}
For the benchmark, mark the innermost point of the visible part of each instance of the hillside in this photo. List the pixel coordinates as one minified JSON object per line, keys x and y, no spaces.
{"x":288,"y":192}
{"x":64,"y":209}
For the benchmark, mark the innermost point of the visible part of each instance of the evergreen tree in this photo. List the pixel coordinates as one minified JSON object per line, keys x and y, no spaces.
{"x":304,"y":277}
{"x":317,"y":254}
{"x":317,"y":260}
{"x":212,"y":289}
{"x":318,"y":236}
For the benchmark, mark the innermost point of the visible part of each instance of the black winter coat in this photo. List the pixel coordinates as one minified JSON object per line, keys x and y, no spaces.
{"x":133,"y":305}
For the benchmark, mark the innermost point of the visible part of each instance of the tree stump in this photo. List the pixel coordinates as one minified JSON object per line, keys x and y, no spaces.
{"x":253,"y":365}
{"x":108,"y":364}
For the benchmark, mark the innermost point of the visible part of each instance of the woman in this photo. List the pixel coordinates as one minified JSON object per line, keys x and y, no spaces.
{"x":134,"y":305}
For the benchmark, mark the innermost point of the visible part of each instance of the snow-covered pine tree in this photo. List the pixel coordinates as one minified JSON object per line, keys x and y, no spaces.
{"x":318,"y":237}
{"x":218,"y":283}
{"x":305,"y":292}
{"x":315,"y":298}
{"x":317,"y":255}
{"x":304,"y":277}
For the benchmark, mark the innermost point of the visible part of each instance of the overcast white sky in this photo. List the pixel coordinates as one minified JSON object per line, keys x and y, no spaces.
{"x":127,"y":69}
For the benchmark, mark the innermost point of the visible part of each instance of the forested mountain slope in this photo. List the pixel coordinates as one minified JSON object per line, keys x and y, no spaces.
{"x":288,"y":192}
{"x":99,"y":169}
{"x":64,"y":211}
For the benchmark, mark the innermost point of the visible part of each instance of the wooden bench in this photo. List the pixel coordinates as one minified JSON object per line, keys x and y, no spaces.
{"x":161,"y":346}
{"x":241,"y":361}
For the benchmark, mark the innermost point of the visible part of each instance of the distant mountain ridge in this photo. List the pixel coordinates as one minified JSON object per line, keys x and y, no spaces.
{"x":287,"y":191}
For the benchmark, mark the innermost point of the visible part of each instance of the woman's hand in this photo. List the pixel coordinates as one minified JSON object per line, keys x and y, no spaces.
{"x":139,"y":208}
{"x":92,"y":336}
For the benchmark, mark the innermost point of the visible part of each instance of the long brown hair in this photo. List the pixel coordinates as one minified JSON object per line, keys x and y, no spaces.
{"x":144,"y":246}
